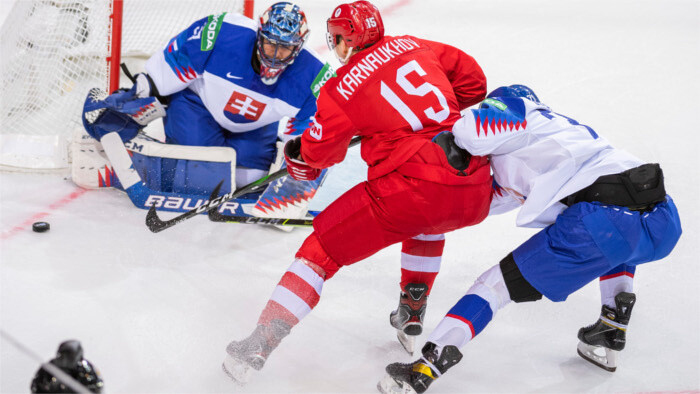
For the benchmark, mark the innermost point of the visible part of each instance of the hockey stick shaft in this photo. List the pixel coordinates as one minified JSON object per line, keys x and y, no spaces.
{"x":156,"y":224}
{"x":259,"y":220}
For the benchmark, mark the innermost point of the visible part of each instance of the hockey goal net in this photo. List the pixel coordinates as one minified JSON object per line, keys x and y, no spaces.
{"x":54,"y":51}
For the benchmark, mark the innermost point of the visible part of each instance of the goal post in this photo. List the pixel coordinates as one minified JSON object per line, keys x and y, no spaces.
{"x":55,"y":51}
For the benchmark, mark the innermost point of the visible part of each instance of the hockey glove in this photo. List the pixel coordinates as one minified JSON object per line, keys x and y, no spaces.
{"x":296,"y":167}
{"x":121,"y":112}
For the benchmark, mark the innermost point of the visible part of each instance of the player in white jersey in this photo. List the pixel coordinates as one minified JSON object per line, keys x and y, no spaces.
{"x":603,"y":211}
{"x":226,"y":81}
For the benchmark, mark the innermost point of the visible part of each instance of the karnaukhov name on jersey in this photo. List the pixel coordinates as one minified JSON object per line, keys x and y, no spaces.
{"x":363,"y":69}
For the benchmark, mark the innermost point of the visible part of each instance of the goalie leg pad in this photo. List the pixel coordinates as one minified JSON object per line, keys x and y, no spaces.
{"x":183,"y":169}
{"x":90,"y":167}
{"x":181,"y":175}
{"x":162,"y":167}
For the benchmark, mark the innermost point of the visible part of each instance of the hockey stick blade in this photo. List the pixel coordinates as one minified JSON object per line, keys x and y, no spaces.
{"x":216,"y":216}
{"x":155,"y":224}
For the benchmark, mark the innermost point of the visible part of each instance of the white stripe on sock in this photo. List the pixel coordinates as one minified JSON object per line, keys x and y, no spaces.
{"x":307,"y":274}
{"x":420,"y":263}
{"x":291,"y":302}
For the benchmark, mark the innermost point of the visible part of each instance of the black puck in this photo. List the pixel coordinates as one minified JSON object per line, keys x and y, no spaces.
{"x":41,"y":227}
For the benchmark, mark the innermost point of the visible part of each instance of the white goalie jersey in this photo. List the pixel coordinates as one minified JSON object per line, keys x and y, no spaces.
{"x":538,"y":157}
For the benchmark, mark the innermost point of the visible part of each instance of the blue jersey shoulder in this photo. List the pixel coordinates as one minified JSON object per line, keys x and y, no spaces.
{"x":193,"y":48}
{"x":232,"y":54}
{"x":296,"y":82}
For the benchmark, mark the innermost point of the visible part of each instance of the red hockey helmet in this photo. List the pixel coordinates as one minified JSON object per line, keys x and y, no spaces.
{"x":359,"y":23}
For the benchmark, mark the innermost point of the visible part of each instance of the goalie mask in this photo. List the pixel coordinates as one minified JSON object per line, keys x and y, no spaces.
{"x":281,"y":35}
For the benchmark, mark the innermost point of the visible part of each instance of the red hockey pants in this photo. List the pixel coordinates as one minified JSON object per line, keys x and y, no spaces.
{"x":423,"y":196}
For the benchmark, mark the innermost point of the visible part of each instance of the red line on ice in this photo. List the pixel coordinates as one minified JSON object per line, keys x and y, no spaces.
{"x":36,"y":217}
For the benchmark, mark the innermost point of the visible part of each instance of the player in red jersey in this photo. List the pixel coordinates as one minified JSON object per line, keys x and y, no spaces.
{"x":397,"y":93}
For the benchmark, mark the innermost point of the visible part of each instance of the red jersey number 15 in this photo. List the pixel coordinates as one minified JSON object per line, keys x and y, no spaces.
{"x":402,"y":108}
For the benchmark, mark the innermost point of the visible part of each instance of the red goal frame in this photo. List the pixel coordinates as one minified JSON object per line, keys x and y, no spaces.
{"x":115,"y":39}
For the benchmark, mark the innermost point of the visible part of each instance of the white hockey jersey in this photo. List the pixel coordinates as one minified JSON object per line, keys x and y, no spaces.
{"x":213,"y":58}
{"x":537,"y":156}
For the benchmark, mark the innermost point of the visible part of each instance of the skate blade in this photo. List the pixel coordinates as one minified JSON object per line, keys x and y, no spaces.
{"x":238,"y":371}
{"x":389,"y":385}
{"x":608,"y":361}
{"x":407,"y":341}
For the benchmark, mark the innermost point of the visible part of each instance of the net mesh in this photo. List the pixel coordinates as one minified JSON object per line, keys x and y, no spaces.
{"x":54,"y":51}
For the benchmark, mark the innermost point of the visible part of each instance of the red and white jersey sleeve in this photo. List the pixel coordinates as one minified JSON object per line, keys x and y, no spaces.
{"x":326,"y":142}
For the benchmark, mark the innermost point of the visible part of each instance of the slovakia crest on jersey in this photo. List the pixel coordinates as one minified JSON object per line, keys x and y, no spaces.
{"x":242,"y":108}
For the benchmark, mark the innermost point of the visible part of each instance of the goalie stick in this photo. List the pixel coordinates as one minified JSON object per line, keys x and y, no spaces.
{"x":156,"y":224}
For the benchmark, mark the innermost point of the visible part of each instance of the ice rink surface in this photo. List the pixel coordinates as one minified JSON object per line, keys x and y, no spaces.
{"x":154,"y":312}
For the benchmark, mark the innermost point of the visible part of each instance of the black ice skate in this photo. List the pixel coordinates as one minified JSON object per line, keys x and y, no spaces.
{"x":408,"y":317}
{"x":416,"y":377}
{"x":600,"y":342}
{"x":251,"y":353}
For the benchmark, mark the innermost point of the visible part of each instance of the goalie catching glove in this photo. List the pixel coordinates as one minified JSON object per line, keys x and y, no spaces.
{"x":122,"y":112}
{"x":296,"y":167}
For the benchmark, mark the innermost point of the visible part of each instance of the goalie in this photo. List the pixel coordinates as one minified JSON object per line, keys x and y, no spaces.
{"x":222,"y":86}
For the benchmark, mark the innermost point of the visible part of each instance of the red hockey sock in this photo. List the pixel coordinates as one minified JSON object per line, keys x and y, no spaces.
{"x":296,"y":294}
{"x":420,"y":259}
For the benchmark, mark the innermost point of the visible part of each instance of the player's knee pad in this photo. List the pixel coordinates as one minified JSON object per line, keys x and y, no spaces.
{"x":519,"y":288}
{"x":312,"y":251}
{"x":491,"y":286}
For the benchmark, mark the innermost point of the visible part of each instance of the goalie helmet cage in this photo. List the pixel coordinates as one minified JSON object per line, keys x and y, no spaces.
{"x":54,"y":51}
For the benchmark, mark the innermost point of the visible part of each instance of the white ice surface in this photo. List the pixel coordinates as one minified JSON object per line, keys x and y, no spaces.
{"x":154,"y":312}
